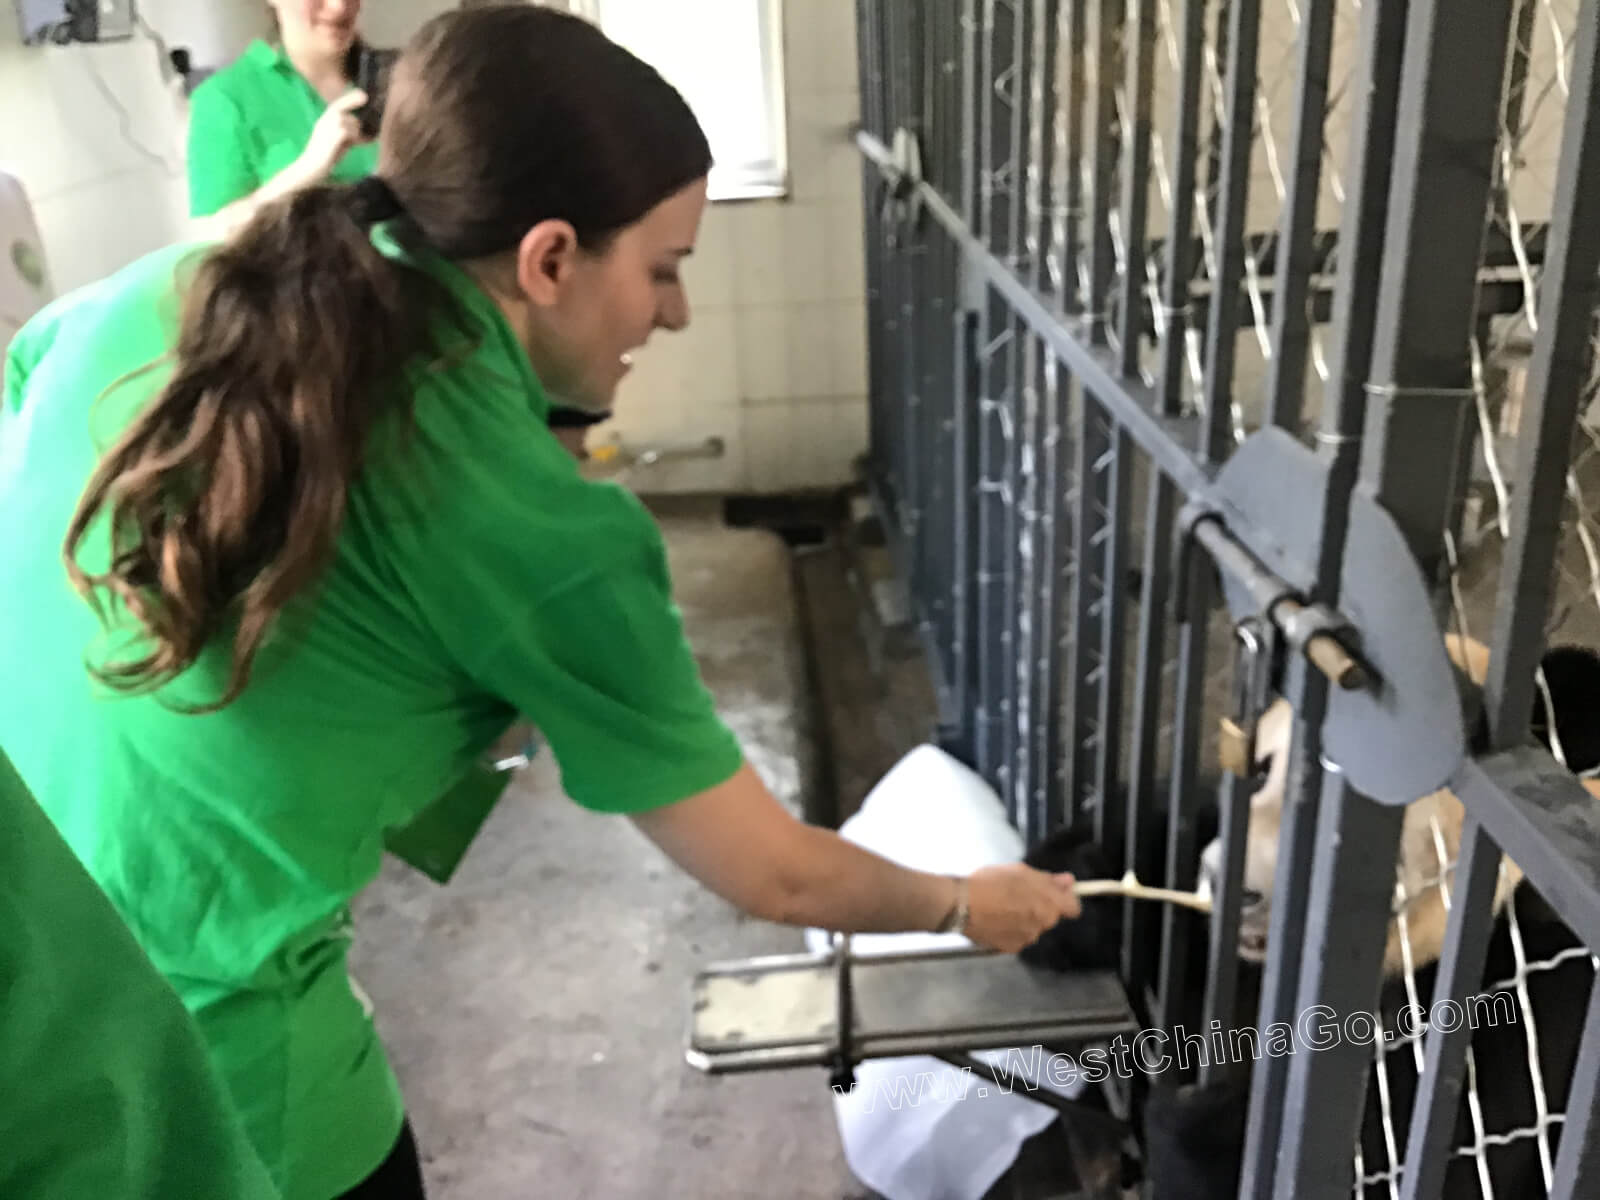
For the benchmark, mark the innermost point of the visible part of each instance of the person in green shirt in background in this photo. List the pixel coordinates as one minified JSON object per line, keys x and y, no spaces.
{"x":331,"y":548}
{"x":106,"y":1089}
{"x":279,"y":118}
{"x":283,"y":117}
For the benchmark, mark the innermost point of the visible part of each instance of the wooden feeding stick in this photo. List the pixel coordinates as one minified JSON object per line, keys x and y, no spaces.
{"x":1130,"y":887}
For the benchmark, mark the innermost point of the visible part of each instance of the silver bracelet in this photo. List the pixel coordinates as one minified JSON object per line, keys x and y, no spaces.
{"x":955,"y":920}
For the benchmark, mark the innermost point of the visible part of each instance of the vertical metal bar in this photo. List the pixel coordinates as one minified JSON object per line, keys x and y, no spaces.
{"x":1442,"y":168}
{"x":1435,"y":1111}
{"x":1058,"y":386}
{"x":993,"y":616}
{"x":1180,"y":238}
{"x":888,"y":293}
{"x":1557,"y":377}
{"x":952,"y":333}
{"x":969,"y":151}
{"x":1074,"y":15}
{"x":1020,"y":587}
{"x":1346,"y":917}
{"x":1102,"y":113}
{"x":1015,"y":382}
{"x":1036,"y":660}
{"x":1291,"y":320}
{"x":1214,"y":152}
{"x":1423,"y":373}
{"x":944,"y":332}
{"x":1086,"y":666}
{"x":1579,"y":1156}
{"x":1361,"y":241}
{"x":1017,"y":71}
{"x":906,"y":34}
{"x":1116,"y":804}
{"x":970,"y":420}
{"x":1070,"y":547}
{"x":1223,"y":335}
{"x":1046,"y":600}
{"x":966,"y":402}
{"x":1136,"y":185}
{"x":1138,"y":919}
{"x":940,"y":333}
{"x":1117,"y":472}
{"x":1048,"y":727}
{"x":1182,"y":853}
{"x":984,"y":84}
{"x":1047,"y":61}
{"x":1558,"y":372}
{"x":876,"y":402}
{"x":991,"y":549}
{"x":933,"y":298}
{"x":884,"y":407}
{"x":1222,"y":963}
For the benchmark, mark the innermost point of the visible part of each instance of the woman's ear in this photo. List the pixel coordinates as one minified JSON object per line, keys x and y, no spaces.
{"x":546,"y":258}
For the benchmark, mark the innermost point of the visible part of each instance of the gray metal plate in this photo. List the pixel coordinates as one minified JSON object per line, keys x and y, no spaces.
{"x":1401,"y":738}
{"x":784,"y":1012}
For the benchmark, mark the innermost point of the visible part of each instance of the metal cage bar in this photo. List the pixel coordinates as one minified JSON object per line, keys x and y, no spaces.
{"x":1439,"y":195}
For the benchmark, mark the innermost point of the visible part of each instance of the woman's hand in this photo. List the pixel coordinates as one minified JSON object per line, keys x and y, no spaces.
{"x":335,"y":132}
{"x":1009,"y":906}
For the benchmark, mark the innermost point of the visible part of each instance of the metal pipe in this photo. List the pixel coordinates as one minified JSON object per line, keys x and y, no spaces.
{"x":1163,"y":437}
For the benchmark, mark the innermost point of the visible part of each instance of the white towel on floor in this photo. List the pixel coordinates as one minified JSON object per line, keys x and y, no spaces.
{"x":917,"y":1128}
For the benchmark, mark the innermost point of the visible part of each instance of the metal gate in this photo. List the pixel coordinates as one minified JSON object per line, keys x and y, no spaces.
{"x":1294,"y":297}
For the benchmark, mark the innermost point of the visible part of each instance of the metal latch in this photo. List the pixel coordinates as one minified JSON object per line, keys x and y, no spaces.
{"x":1314,"y":630}
{"x":1255,"y":648}
{"x":902,"y":202}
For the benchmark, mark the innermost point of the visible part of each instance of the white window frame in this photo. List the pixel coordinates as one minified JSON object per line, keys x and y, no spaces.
{"x":767,"y":178}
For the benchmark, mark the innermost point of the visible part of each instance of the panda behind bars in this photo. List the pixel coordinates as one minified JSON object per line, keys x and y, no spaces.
{"x":1537,"y":972}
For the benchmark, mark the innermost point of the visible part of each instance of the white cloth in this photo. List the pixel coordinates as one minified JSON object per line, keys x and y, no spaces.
{"x":917,"y":1128}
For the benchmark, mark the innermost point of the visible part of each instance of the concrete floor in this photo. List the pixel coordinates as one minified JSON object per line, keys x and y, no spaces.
{"x":535,"y":1008}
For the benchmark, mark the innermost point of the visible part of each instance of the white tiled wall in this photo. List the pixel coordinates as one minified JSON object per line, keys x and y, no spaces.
{"x":774,"y":362}
{"x":775,"y":359}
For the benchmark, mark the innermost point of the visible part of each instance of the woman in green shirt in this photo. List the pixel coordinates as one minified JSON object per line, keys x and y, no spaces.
{"x":332,"y":549}
{"x":279,"y":118}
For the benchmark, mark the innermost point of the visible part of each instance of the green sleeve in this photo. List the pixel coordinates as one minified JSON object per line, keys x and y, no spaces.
{"x":105,"y":1085}
{"x":26,"y":348}
{"x":220,"y":170}
{"x":603,"y":668}
{"x":22,"y":353}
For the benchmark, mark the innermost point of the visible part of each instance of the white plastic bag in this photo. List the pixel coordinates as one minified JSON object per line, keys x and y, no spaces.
{"x":917,"y":1128}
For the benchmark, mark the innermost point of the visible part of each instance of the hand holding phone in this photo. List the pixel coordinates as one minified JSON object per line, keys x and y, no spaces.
{"x":372,"y":70}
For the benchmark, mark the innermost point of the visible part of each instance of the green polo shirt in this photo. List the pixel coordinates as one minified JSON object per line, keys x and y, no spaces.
{"x":105,"y":1086}
{"x":477,"y":576}
{"x":251,"y":120}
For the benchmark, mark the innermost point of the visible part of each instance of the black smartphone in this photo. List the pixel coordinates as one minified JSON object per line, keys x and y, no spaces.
{"x":371,"y":75}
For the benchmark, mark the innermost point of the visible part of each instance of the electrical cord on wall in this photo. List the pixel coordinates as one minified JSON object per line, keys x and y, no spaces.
{"x":125,"y":123}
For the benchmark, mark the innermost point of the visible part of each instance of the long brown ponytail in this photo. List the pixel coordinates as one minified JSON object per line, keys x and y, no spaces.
{"x":225,"y":496}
